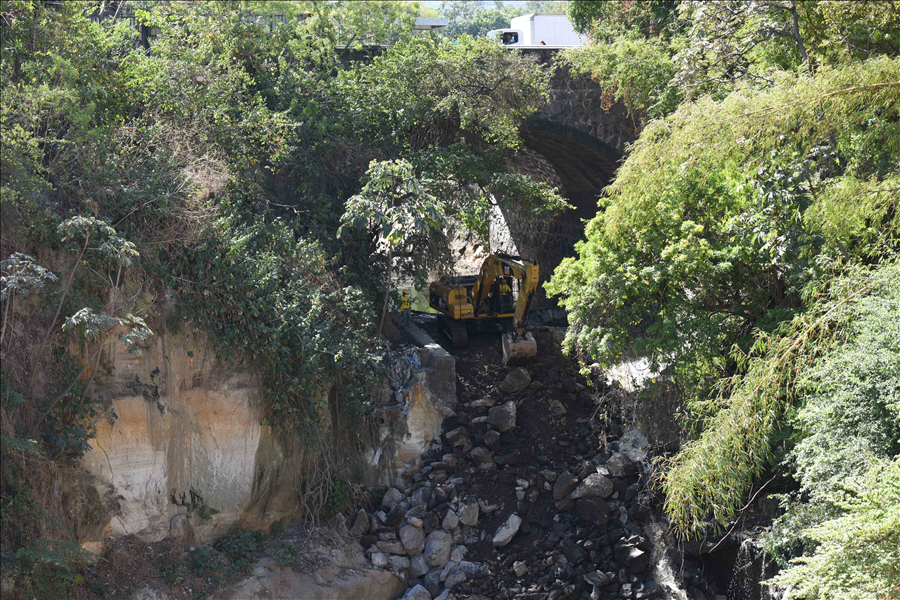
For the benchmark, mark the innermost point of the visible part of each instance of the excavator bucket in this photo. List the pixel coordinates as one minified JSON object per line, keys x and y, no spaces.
{"x":518,"y":349}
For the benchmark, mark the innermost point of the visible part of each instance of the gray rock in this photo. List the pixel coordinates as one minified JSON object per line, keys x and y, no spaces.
{"x":468,"y":514}
{"x":634,"y":559}
{"x":391,"y":547}
{"x":458,"y":437}
{"x":413,"y":539}
{"x":507,"y":531}
{"x":520,"y":568}
{"x":620,"y":465}
{"x":503,"y":417}
{"x":180,"y":528}
{"x":379,"y":560}
{"x":396,"y":516}
{"x":445,"y":595}
{"x":447,"y":568}
{"x":507,"y":459}
{"x":398,"y":564}
{"x":417,"y":593}
{"x":485,"y":402}
{"x":491,"y":438}
{"x":517,"y":380}
{"x":437,"y":548}
{"x":451,"y":521}
{"x":565,"y":484}
{"x":595,"y":485}
{"x":481,"y":456}
{"x":574,"y":553}
{"x":417,"y":566}
{"x":392,"y":498}
{"x":360,"y":523}
{"x":598,"y":578}
{"x":459,"y":554}
{"x":433,"y":578}
{"x":549,"y":475}
{"x":420,"y":497}
{"x":593,"y":510}
{"x":469,"y":568}
{"x":455,"y":577}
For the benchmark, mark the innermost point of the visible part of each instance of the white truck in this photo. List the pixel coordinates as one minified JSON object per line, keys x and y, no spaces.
{"x":538,"y":30}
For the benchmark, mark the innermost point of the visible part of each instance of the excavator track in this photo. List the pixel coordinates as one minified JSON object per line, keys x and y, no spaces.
{"x":456,"y":331}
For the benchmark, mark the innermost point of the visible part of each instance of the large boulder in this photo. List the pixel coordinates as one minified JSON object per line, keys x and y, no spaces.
{"x":620,"y":465}
{"x":417,"y":566}
{"x":437,"y":548}
{"x":507,"y":531}
{"x":565,"y":485}
{"x":417,"y":593}
{"x":468,"y":514}
{"x":391,"y":498}
{"x":450,"y":522}
{"x":481,"y":456}
{"x":593,"y":510}
{"x":413,"y":539}
{"x":458,"y":437}
{"x":517,"y":380}
{"x":360,"y":524}
{"x":633,"y":558}
{"x":503,"y":417}
{"x":595,"y":485}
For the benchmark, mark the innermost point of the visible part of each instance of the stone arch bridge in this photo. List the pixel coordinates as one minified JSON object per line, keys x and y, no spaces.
{"x":575,"y":143}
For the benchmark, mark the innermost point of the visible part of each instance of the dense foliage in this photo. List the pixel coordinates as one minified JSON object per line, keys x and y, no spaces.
{"x":748,"y":249}
{"x":184,"y":166}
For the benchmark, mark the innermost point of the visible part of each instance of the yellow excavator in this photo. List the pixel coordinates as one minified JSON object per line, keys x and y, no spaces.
{"x":500,"y":294}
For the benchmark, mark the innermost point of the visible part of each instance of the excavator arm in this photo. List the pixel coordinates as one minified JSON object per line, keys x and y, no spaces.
{"x":518,"y":344}
{"x":524,"y":270}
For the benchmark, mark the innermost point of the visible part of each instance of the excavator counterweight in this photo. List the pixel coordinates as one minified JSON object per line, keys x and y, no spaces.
{"x":501,"y":293}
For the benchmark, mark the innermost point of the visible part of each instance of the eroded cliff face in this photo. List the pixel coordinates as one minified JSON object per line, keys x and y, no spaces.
{"x":183,"y":435}
{"x":183,"y":451}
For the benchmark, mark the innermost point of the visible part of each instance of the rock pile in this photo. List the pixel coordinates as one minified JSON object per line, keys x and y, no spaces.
{"x":525,"y":496}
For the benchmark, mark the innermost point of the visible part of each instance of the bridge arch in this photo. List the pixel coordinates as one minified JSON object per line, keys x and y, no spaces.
{"x":580,"y":166}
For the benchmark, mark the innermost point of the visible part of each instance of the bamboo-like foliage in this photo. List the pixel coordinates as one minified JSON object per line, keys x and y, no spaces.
{"x":709,"y":478}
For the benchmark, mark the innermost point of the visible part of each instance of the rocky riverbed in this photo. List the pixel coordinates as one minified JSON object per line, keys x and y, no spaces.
{"x":535,"y":490}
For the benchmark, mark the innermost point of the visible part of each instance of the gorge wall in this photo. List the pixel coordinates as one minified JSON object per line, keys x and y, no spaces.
{"x":182,"y":447}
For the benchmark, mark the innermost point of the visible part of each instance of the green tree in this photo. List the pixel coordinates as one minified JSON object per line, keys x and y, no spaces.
{"x":404,"y":216}
{"x":470,"y":18}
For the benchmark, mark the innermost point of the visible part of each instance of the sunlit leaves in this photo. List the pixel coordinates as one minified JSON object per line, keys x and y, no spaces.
{"x":131,"y":330}
{"x":20,"y":275}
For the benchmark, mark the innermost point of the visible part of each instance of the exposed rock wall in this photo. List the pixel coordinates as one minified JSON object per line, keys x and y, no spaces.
{"x":183,"y":435}
{"x":183,"y":450}
{"x":402,"y":431}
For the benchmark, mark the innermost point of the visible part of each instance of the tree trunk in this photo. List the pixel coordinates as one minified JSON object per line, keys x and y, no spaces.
{"x":795,"y":24}
{"x":387,"y":288}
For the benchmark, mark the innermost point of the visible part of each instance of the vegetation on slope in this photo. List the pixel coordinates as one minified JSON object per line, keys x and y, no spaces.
{"x":199,"y":182}
{"x":748,"y":247}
